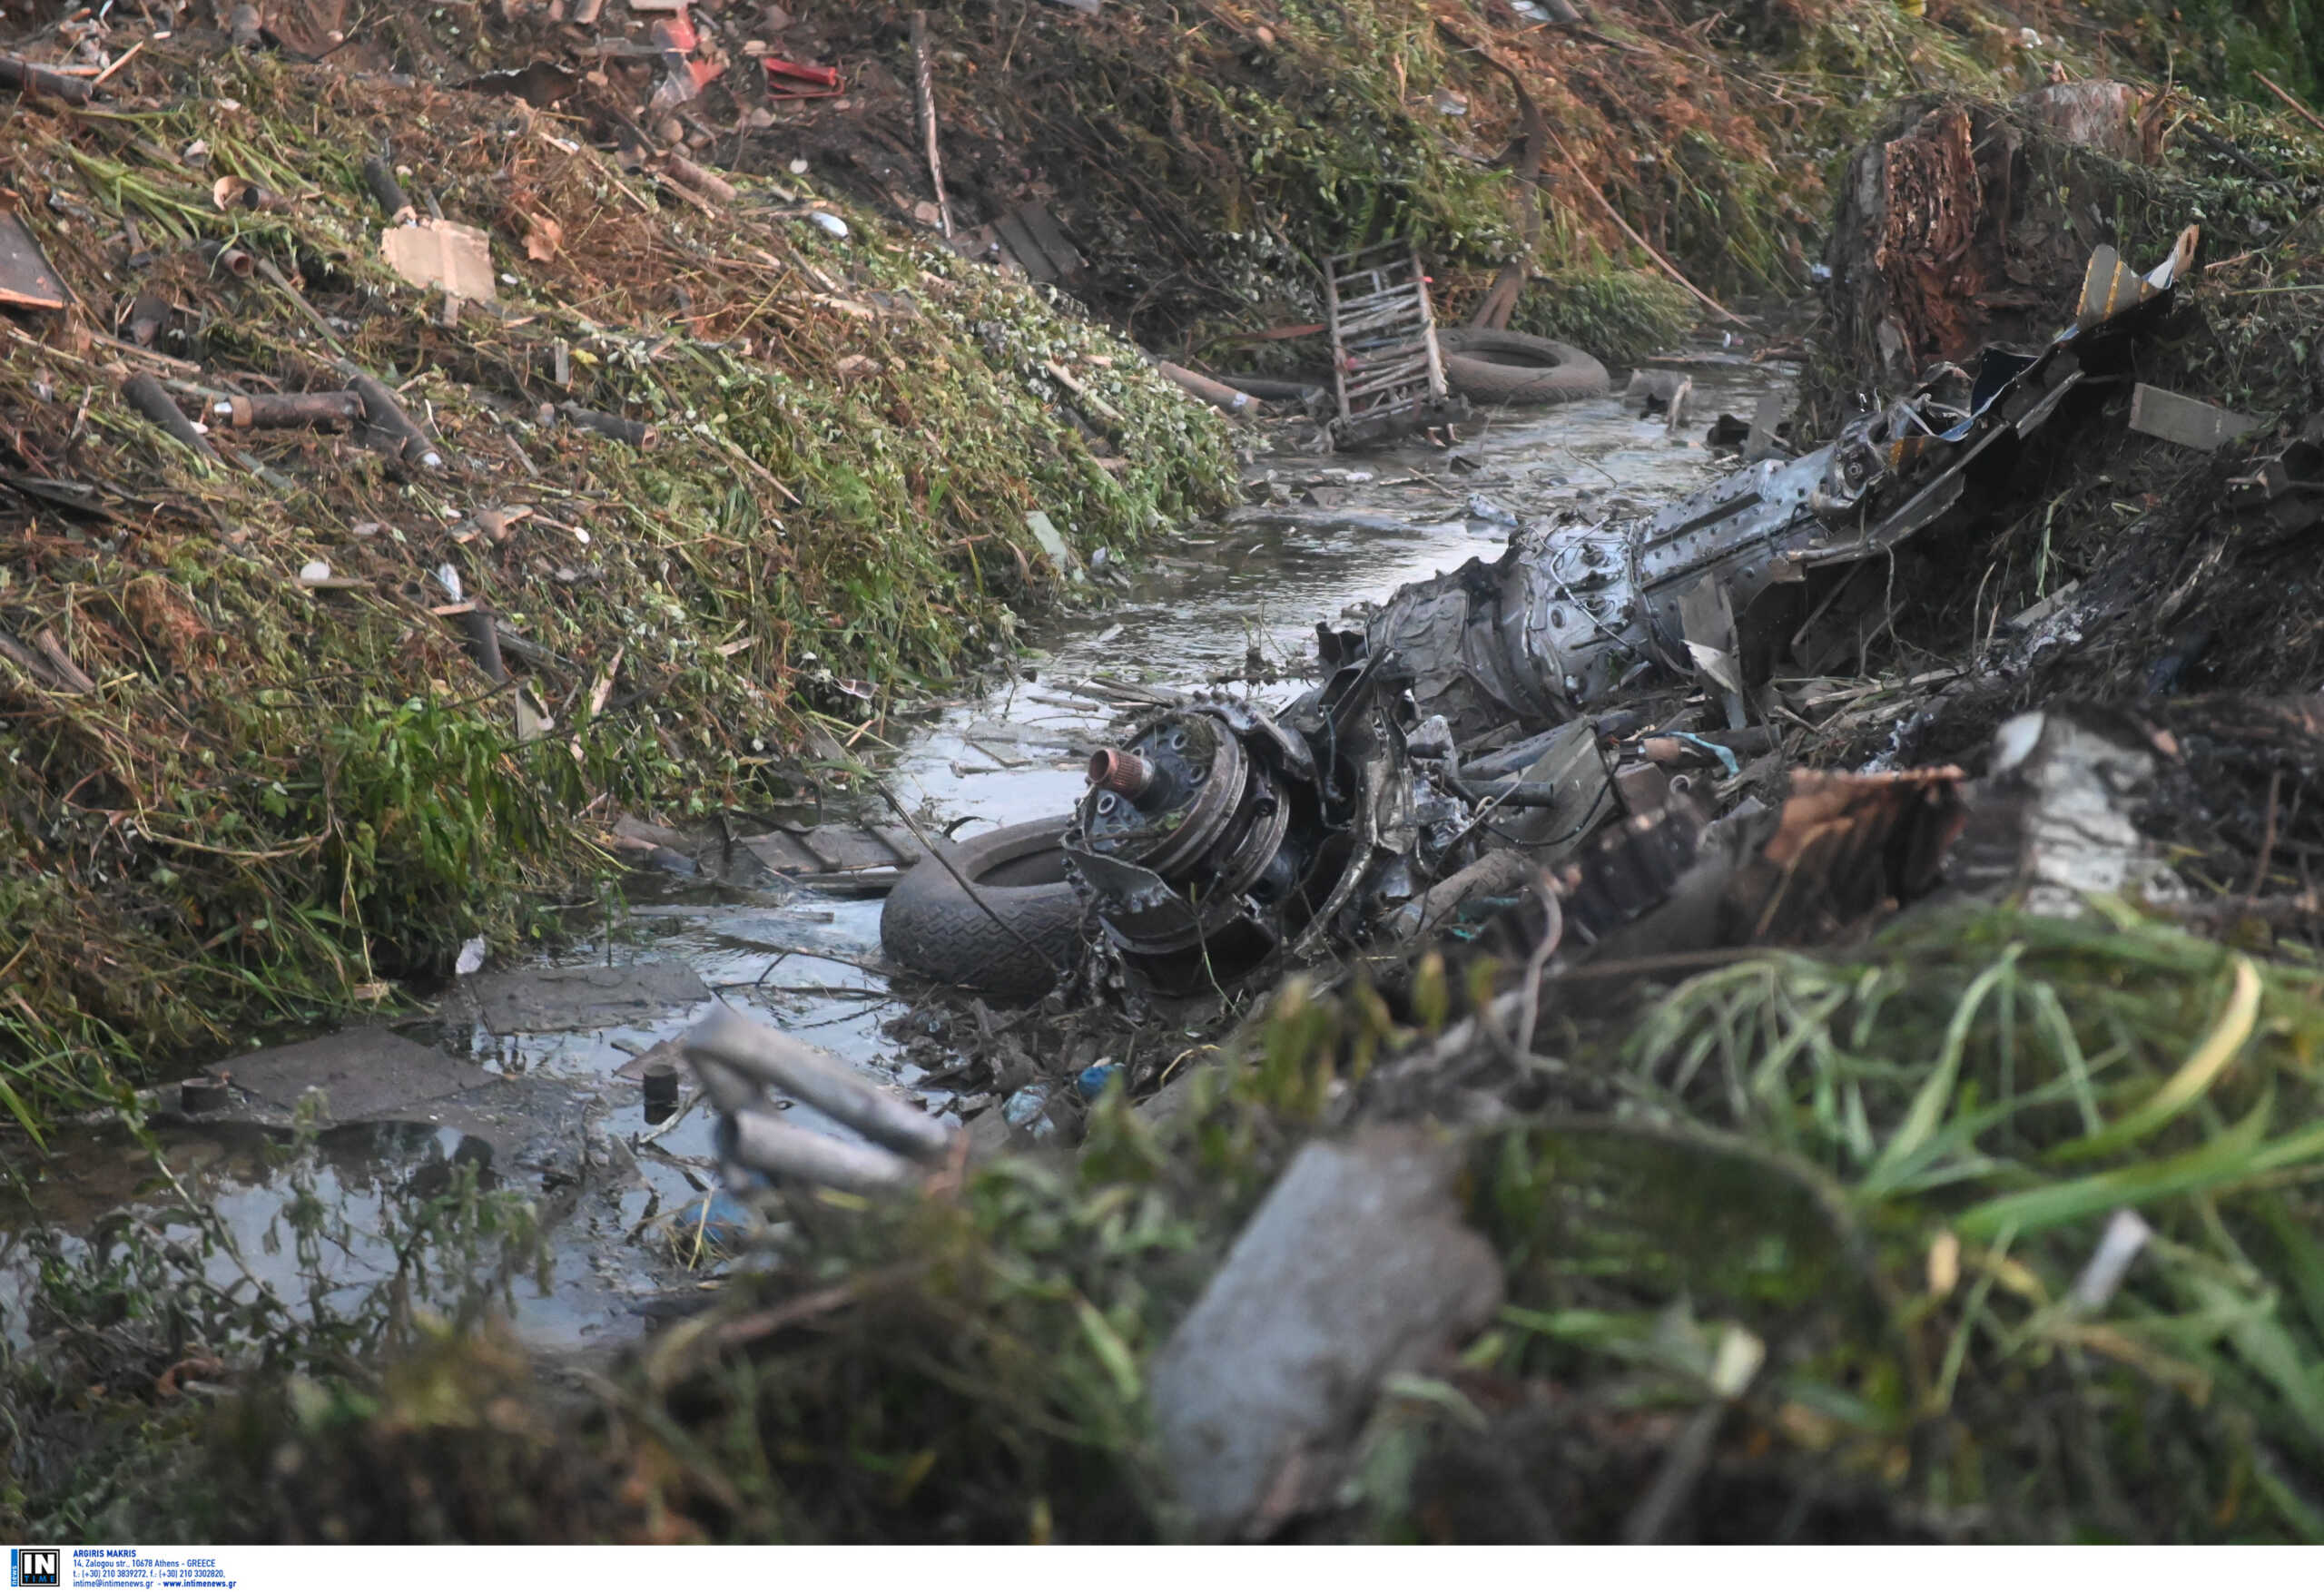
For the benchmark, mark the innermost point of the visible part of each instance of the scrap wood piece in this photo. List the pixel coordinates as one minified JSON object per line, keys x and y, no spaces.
{"x":29,"y":78}
{"x":387,"y":426}
{"x":436,"y":253}
{"x":1846,"y":848}
{"x":27,"y":281}
{"x":2189,"y":422}
{"x":61,"y":661}
{"x":329,"y":411}
{"x":924,"y":85}
{"x":144,"y":394}
{"x":25,"y":658}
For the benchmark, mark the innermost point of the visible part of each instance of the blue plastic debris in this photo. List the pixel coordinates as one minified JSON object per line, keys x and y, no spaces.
{"x":1028,"y":1108}
{"x":722,"y":1221}
{"x":1092,"y":1080}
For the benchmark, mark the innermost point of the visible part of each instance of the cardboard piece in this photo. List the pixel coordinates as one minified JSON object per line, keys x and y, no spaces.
{"x":441,"y":254}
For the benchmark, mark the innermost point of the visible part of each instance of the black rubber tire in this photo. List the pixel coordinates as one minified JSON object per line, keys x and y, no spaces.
{"x":1516,"y":368}
{"x":931,"y":926}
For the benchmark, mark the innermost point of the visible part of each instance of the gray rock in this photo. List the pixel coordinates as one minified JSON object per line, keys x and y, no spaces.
{"x":1356,"y":1266}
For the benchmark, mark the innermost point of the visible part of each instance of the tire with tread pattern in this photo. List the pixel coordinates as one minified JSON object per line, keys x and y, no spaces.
{"x":930,"y":925}
{"x":1517,"y":368}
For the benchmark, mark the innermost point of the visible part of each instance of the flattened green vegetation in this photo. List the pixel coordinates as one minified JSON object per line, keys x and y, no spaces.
{"x":1848,"y":1224}
{"x":1902,"y":1174}
{"x":278,"y":795}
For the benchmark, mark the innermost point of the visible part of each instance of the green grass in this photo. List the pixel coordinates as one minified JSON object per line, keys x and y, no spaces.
{"x":278,"y":800}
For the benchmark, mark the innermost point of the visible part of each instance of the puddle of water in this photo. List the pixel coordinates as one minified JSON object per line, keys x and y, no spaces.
{"x":1012,"y":754}
{"x":360,"y":1185}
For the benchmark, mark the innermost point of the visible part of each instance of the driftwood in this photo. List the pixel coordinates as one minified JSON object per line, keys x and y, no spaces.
{"x":28,"y":79}
{"x":146,"y":394}
{"x":380,"y":179}
{"x":281,"y":410}
{"x":636,"y":433}
{"x":1216,"y":394}
{"x":389,"y":428}
{"x":924,"y":83}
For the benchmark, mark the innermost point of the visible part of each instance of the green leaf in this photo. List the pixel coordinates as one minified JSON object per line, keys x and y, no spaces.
{"x":1114,"y":1354}
{"x":2235,"y":1154}
{"x":2222,"y":1044}
{"x":1935,"y":1095}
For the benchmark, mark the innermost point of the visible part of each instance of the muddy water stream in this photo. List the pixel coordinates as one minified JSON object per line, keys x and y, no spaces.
{"x":564,"y":1122}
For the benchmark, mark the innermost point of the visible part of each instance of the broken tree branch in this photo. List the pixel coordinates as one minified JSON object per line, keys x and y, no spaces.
{"x":393,"y":431}
{"x":146,"y":395}
{"x":1631,"y":233}
{"x":76,"y":680}
{"x":707,"y":183}
{"x":924,"y":79}
{"x":26,"y":78}
{"x":276,"y":411}
{"x":2306,"y":114}
{"x":1500,"y":301}
{"x":380,"y":179}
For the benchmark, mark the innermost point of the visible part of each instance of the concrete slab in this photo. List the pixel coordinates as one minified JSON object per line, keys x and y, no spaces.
{"x":547,"y":1000}
{"x":363,"y":1073}
{"x":1357,"y":1265}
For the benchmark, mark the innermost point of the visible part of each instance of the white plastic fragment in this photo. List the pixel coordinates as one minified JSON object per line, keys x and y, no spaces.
{"x":829,"y":222}
{"x":2125,"y":1235}
{"x":471,"y":957}
{"x":313,"y":573}
{"x":449,"y":579}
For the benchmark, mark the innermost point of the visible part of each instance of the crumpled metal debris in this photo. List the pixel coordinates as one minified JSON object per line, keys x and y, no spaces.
{"x":1573,"y":613}
{"x":739,"y":1060}
{"x":1221,"y":835}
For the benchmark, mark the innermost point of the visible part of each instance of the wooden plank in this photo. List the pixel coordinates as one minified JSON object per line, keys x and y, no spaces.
{"x":27,"y":281}
{"x":1050,"y":237}
{"x":2189,"y":422}
{"x":1029,"y":253}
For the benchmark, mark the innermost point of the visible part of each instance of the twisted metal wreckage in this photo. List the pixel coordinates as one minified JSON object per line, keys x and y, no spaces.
{"x":1221,"y":835}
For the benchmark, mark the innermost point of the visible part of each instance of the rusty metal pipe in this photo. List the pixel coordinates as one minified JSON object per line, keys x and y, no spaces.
{"x":1124,"y":773}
